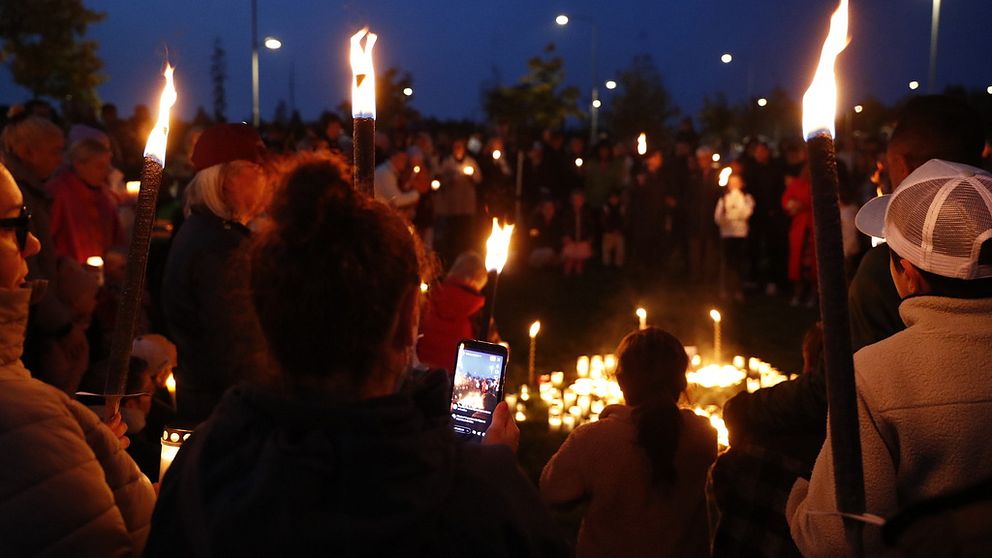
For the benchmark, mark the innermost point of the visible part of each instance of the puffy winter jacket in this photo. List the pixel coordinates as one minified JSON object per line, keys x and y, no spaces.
{"x":66,"y":486}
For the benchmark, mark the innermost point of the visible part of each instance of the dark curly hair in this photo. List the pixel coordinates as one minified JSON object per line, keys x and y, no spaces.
{"x":329,"y":271}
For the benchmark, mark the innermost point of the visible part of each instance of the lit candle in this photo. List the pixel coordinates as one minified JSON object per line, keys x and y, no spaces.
{"x":569,"y":397}
{"x":435,"y":184}
{"x":642,"y":144}
{"x":524,"y":392}
{"x":520,"y":416}
{"x":497,"y":154}
{"x":568,"y":422}
{"x":578,"y":162}
{"x":170,"y":385}
{"x":133,"y":188}
{"x":554,"y":423}
{"x":725,"y":176}
{"x":715,"y":316}
{"x":511,"y":399}
{"x":642,"y":318}
{"x":363,"y":110}
{"x":582,"y":366}
{"x":534,"y":329}
{"x":738,"y":362}
{"x":95,"y":263}
{"x":129,"y":304}
{"x":172,"y":440}
{"x":610,"y":361}
{"x":468,"y":170}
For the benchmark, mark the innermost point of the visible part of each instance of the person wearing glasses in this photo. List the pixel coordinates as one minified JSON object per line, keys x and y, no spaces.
{"x":68,"y":486}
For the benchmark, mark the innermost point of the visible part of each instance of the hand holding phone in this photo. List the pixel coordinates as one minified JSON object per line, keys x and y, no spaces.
{"x":503,"y":429}
{"x":477,"y":389}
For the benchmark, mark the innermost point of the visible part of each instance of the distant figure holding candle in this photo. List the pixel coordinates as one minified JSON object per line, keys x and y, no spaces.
{"x":642,"y":467}
{"x":449,"y":312}
{"x":455,"y":203}
{"x":392,"y":184}
{"x":733,"y":211}
{"x":84,"y":211}
{"x":205,"y":287}
{"x":346,"y":452}
{"x":59,"y":461}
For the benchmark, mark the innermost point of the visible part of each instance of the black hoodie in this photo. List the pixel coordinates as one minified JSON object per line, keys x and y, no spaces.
{"x":267,"y":476}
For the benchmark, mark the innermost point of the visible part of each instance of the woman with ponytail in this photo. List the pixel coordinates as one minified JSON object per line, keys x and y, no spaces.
{"x":642,"y":467}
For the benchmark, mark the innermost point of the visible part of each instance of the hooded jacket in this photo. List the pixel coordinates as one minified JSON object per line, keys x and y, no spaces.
{"x":66,"y":486}
{"x":923,"y":403}
{"x":450,"y":306}
{"x":268,"y":476}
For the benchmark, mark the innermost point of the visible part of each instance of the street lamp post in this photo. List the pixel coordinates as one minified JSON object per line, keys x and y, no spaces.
{"x":594,"y":102}
{"x":271,"y":43}
{"x":934,"y":25}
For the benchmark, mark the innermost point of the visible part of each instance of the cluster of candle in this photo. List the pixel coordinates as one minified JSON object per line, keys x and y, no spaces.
{"x":595,"y":387}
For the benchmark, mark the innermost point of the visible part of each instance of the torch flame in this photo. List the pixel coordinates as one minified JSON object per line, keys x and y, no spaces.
{"x":642,"y":144}
{"x":725,"y":176}
{"x":159,"y":136}
{"x":820,"y":100}
{"x":363,"y":75}
{"x":498,"y":246}
{"x":534,"y":329}
{"x":715,"y":315}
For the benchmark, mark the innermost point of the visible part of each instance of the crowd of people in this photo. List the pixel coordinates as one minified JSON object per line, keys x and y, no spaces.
{"x":315,"y":373}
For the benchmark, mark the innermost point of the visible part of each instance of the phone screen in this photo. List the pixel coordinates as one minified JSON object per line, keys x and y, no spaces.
{"x":477,"y":389}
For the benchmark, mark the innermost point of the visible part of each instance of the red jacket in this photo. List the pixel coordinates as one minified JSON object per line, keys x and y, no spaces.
{"x":446,"y":321}
{"x":84,"y":219}
{"x":802,"y":254}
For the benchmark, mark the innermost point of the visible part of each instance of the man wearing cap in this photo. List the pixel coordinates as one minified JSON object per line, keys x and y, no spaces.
{"x":205,"y":287}
{"x":923,"y":393}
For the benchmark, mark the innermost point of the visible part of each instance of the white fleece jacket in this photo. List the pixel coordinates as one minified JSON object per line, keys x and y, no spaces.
{"x":924,"y":401}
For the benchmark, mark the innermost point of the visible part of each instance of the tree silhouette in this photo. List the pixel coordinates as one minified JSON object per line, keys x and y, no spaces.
{"x":642,"y":103}
{"x":218,"y":75}
{"x":43,"y":42}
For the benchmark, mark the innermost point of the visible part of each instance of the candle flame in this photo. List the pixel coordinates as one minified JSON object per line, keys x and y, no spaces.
{"x":715,"y":315}
{"x":133,"y":186}
{"x":641,"y":313}
{"x":469,"y":170}
{"x":497,"y":154}
{"x":534,"y":329}
{"x":725,"y":176}
{"x":159,"y":136}
{"x":820,"y":100}
{"x":642,"y":144}
{"x":435,"y":184}
{"x":416,"y":169}
{"x":170,"y":383}
{"x":578,"y":161}
{"x":498,"y":246}
{"x":94,"y":261}
{"x":363,"y":75}
{"x":424,"y":287}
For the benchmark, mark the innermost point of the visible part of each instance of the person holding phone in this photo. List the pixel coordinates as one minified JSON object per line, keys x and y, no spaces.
{"x":344,"y":452}
{"x":642,"y":467}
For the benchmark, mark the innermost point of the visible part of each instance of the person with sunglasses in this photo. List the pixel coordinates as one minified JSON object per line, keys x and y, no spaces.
{"x":68,"y":486}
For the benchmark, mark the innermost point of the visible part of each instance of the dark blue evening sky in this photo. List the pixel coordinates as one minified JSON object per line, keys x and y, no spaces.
{"x":451,"y":47}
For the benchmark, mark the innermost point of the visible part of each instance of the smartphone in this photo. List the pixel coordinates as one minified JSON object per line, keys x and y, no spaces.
{"x":480,"y":369}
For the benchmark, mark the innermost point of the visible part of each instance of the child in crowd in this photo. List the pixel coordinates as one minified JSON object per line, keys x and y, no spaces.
{"x":732,"y":213}
{"x":797,"y":200}
{"x":450,"y":307}
{"x":612,"y":222}
{"x":642,"y":467}
{"x":578,"y":229}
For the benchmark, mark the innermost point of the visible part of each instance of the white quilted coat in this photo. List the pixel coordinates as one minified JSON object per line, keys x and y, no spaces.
{"x":66,"y":486}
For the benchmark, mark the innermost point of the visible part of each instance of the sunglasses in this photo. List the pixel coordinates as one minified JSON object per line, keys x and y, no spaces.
{"x":21,"y":225}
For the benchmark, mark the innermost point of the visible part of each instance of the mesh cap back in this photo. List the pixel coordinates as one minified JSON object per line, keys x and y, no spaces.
{"x":939,"y":217}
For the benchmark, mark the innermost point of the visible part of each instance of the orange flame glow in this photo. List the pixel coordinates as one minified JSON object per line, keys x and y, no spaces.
{"x":363,"y":75}
{"x":498,"y":246}
{"x":159,"y":136}
{"x":820,"y":100}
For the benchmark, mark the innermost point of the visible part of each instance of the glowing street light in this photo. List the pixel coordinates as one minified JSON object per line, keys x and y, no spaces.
{"x":272,"y":43}
{"x":408,"y":91}
{"x":762,"y":102}
{"x":727,"y":58}
{"x":914,"y":85}
{"x":611,"y":84}
{"x":596,"y":103}
{"x":989,"y":90}
{"x":562,"y":19}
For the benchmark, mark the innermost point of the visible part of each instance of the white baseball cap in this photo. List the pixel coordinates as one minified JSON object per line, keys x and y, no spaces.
{"x":937,"y":218}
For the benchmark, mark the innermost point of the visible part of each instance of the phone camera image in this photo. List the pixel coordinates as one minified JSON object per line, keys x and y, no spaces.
{"x":477,"y":389}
